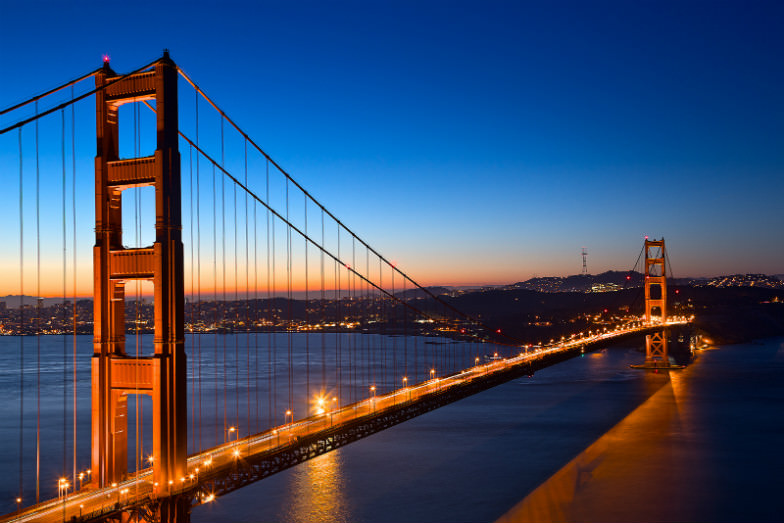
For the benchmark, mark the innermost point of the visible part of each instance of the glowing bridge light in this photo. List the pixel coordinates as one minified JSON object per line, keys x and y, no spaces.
{"x":320,"y":405}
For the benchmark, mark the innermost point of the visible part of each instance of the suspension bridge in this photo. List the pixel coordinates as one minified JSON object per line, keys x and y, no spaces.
{"x":238,"y":326}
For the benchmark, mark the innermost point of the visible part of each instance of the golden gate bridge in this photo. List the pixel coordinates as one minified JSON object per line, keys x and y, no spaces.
{"x":275,"y":332}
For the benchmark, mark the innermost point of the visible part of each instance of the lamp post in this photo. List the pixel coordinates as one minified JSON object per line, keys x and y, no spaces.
{"x":405,"y":386}
{"x":232,"y":431}
{"x":373,"y":390}
{"x":289,"y":413}
{"x":18,"y":504}
{"x":62,"y":488}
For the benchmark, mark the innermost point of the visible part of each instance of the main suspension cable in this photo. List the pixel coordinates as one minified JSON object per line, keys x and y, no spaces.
{"x":74,"y":100}
{"x":340,"y":223}
{"x":50,"y":91}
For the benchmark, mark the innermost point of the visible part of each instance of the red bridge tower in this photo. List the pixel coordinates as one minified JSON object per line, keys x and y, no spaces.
{"x":656,"y":303}
{"x":115,"y":375}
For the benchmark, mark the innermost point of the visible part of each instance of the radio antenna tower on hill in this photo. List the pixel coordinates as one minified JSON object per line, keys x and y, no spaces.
{"x":585,"y":263}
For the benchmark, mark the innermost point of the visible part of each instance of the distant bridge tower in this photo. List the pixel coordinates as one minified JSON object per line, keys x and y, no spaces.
{"x":115,"y":375}
{"x":585,"y":262}
{"x":656,"y":303}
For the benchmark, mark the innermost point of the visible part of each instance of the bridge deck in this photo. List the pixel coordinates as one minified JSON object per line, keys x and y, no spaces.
{"x":229,"y":466}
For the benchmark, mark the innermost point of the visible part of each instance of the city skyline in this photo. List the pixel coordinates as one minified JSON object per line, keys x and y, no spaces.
{"x":477,"y":146}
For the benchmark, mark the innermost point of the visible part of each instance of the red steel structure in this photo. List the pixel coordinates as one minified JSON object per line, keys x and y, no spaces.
{"x":656,"y":280}
{"x":115,"y":375}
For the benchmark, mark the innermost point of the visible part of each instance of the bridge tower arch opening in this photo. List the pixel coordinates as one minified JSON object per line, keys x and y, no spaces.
{"x":115,"y":374}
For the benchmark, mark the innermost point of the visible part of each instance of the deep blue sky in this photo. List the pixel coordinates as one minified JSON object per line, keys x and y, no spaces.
{"x":479,"y":142}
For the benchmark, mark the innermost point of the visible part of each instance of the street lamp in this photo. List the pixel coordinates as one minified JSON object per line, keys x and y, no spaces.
{"x":288,"y":413}
{"x":373,"y":390}
{"x":18,"y":504}
{"x":405,"y":386}
{"x":62,"y":488}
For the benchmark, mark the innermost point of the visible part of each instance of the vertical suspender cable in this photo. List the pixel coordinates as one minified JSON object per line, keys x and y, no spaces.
{"x":192,"y":307}
{"x":64,"y":311}
{"x":307,"y":317}
{"x":198,"y":269}
{"x":274,"y":318}
{"x":223,"y":275}
{"x":73,"y":246}
{"x":215,"y":295}
{"x":322,"y":310}
{"x":354,"y":315}
{"x":21,"y":319}
{"x":247,"y":302}
{"x":288,"y":308}
{"x":338,"y":351}
{"x":37,"y":317}
{"x":382,"y":322}
{"x":256,"y":314}
{"x":270,"y":391}
{"x":236,"y":322}
{"x":371,"y":372}
{"x":353,"y":339}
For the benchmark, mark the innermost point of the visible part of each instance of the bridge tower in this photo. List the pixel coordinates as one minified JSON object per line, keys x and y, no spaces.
{"x":655,"y":301}
{"x":115,"y":375}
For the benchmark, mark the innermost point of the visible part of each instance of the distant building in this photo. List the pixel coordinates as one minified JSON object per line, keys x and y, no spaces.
{"x":605,"y":287}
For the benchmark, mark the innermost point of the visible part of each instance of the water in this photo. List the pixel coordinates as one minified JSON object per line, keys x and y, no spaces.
{"x":474,"y":460}
{"x":234,"y":380}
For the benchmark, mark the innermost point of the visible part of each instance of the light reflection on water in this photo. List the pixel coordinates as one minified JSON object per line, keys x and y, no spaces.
{"x":318,"y":491}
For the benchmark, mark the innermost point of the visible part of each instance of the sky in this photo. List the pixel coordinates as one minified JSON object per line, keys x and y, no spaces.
{"x":471,"y":142}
